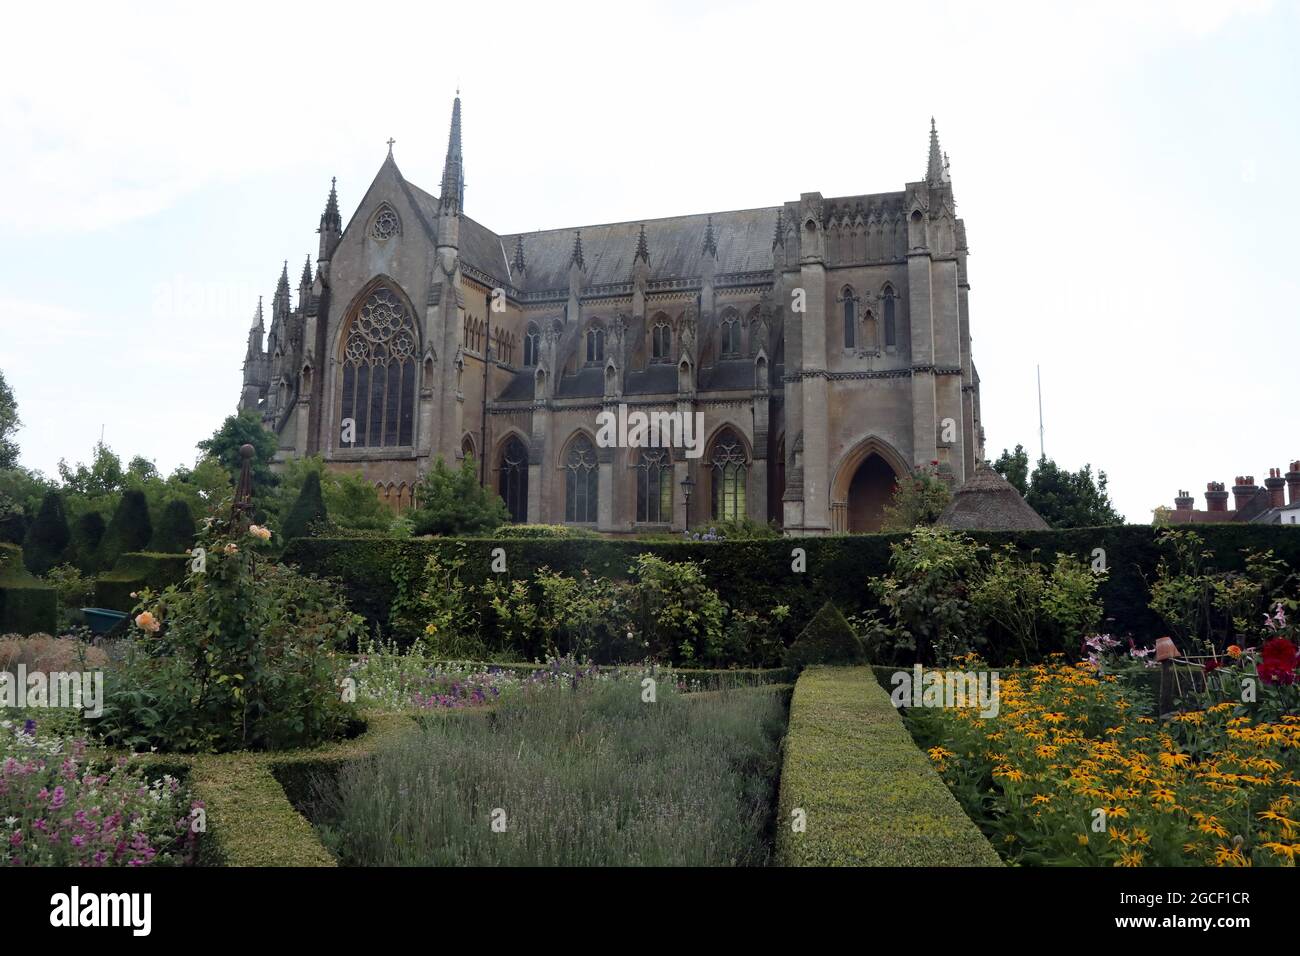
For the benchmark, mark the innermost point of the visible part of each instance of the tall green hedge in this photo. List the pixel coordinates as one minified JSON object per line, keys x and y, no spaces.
{"x":47,"y":539}
{"x":129,"y":530}
{"x":175,"y":531}
{"x":27,"y":606}
{"x":759,"y":574}
{"x":134,"y":571}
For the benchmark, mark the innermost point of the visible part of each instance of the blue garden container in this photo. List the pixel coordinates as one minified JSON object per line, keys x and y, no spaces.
{"x":101,"y":620}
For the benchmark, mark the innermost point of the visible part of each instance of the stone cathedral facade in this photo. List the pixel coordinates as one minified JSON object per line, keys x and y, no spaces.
{"x":824,"y":340}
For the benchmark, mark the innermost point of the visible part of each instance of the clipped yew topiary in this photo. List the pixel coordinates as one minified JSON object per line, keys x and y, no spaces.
{"x":87,"y":535}
{"x":47,"y":538}
{"x":130,"y":529}
{"x":308,"y":510}
{"x":175,"y":533}
{"x":828,"y":639}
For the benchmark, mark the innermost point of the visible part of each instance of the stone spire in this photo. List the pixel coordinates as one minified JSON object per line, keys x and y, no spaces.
{"x":642,"y":250}
{"x":575,"y":259}
{"x":452,"y":194}
{"x":331,"y":224}
{"x":255,"y":333}
{"x":519,"y":265}
{"x":778,"y":233}
{"x":306,"y":272}
{"x":936,"y":170}
{"x":280,"y":304}
{"x":710,"y":242}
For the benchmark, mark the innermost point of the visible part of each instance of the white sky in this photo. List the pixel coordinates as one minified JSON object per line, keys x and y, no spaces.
{"x":1124,"y":170}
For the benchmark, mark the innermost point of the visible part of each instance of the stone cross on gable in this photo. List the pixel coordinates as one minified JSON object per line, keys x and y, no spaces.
{"x":391,"y":141}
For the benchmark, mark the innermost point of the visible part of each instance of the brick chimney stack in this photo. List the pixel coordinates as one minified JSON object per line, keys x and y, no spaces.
{"x":1275,"y":483}
{"x":1293,"y":483}
{"x":1216,"y":499}
{"x":1243,"y":491}
{"x":1184,"y":501}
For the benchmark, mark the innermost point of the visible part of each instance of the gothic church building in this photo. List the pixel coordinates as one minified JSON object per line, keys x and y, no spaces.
{"x":826,"y":342}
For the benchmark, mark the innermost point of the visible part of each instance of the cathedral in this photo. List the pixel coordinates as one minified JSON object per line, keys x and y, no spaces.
{"x":823,"y":344}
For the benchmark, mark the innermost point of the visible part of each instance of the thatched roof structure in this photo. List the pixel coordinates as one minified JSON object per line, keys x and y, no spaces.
{"x":988,"y":502}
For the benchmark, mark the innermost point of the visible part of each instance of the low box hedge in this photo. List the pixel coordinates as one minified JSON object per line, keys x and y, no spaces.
{"x":869,"y":795}
{"x":136,"y":570}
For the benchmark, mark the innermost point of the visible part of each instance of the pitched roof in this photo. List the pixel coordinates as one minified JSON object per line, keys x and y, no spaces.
{"x":988,"y":502}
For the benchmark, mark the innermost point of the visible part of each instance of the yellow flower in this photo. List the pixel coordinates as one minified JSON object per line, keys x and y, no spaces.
{"x":431,"y":629}
{"x":936,"y":753}
{"x":1130,"y":858}
{"x":1288,"y":850}
{"x":259,"y":532}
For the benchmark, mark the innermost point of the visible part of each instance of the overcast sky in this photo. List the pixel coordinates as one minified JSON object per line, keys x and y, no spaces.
{"x":1125,"y":171}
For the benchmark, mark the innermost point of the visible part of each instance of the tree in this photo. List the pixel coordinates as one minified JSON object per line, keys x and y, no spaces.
{"x":453,"y":502}
{"x":87,"y":535}
{"x":129,"y":529}
{"x":918,"y":499}
{"x":175,"y":533}
{"x":350,"y":499}
{"x":1014,"y":467}
{"x":47,"y":539}
{"x":9,"y":423}
{"x":308,"y":510}
{"x":236,"y":431}
{"x":1071,"y":499}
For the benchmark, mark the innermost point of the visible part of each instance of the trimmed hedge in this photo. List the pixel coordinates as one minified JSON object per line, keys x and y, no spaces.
{"x":756,"y":574}
{"x":27,"y":606}
{"x":869,"y":795}
{"x":136,"y":570}
{"x":828,"y":639}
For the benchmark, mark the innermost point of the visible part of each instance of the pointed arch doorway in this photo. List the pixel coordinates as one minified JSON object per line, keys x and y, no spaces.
{"x":864,"y":483}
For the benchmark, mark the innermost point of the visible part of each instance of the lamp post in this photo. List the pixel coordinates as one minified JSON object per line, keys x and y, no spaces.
{"x":688,"y":485}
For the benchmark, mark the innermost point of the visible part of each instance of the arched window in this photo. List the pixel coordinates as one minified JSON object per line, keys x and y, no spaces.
{"x":379,"y":371}
{"x":532,"y":342}
{"x":513,"y":479}
{"x":595,"y":345}
{"x":850,"y":318}
{"x":654,"y":487}
{"x":888,"y":308}
{"x":729,"y":469}
{"x":467,"y":447}
{"x":661,"y":343}
{"x":580,"y":481}
{"x":730,"y":336}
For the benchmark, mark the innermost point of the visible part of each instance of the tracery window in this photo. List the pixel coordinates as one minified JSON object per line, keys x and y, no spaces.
{"x":890,"y":332}
{"x":654,"y":487}
{"x":730,"y":337}
{"x":850,"y":318}
{"x":581,"y":481}
{"x":595,"y":345}
{"x":386,"y":224}
{"x":662,"y":342}
{"x":513,"y":479}
{"x":379,"y":371}
{"x":532,"y":343}
{"x":729,"y":470}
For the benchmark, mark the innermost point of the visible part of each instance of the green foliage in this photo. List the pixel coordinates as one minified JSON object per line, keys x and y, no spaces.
{"x":601,"y":779}
{"x":74,"y":589}
{"x":926,"y":593}
{"x":9,"y":423}
{"x":87,"y":535}
{"x":532,"y":531}
{"x":27,"y":606}
{"x":454,"y":503}
{"x":134,"y":572}
{"x":1070,"y":601}
{"x":442,"y":610}
{"x":351,"y":503}
{"x":1014,"y":467}
{"x":1064,"y":498}
{"x":308,"y":510}
{"x":828,"y":639}
{"x":918,"y":500}
{"x":48,"y":537}
{"x":868,"y":795}
{"x":129,"y":530}
{"x":236,"y":431}
{"x":1039,"y":610}
{"x":176,"y":530}
{"x":242,"y":655}
{"x":680,"y":615}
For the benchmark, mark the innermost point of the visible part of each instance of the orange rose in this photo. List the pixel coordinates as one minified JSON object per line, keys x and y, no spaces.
{"x":147,"y":622}
{"x":1234,"y":650}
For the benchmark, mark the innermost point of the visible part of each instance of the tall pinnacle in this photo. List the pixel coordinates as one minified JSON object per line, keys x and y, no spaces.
{"x":710,"y":243}
{"x":282,"y":287}
{"x":642,"y":249}
{"x":936,"y":169}
{"x":306,"y":271}
{"x":519,"y":265}
{"x":452,"y":194}
{"x":330,"y":220}
{"x":778,"y":233}
{"x":575,"y":259}
{"x":257,"y":316}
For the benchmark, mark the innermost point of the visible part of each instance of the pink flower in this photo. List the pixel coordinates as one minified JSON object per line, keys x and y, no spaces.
{"x":147,"y":622}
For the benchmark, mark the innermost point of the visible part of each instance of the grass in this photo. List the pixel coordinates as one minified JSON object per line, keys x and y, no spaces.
{"x":585,"y":776}
{"x":868,"y":795}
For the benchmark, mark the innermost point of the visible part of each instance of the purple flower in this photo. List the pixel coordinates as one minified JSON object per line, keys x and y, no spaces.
{"x":29,"y":727}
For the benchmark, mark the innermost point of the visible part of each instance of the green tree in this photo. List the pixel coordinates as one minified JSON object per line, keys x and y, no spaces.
{"x":47,"y":538}
{"x":350,"y":499}
{"x":129,"y":530}
{"x":918,"y":499}
{"x":1014,"y":467}
{"x":87,"y":535}
{"x":453,"y":502}
{"x":235,"y":432}
{"x":308,"y":510}
{"x":175,"y":532}
{"x":1071,"y":499}
{"x":9,"y":424}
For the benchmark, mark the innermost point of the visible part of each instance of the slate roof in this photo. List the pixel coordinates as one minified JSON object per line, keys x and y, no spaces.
{"x":988,"y":502}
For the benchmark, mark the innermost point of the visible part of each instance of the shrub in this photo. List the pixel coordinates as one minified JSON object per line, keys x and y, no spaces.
{"x":453,"y":502}
{"x":441,"y":611}
{"x":74,"y":588}
{"x":308,"y":510}
{"x":541,"y":531}
{"x":59,"y":809}
{"x":587,"y":775}
{"x":828,"y":639}
{"x":48,"y":537}
{"x":926,"y":592}
{"x":87,"y":535}
{"x":679,"y":614}
{"x":865,"y":792}
{"x":918,"y":499}
{"x":129,"y":529}
{"x":242,"y":655}
{"x":27,"y":606}
{"x":175,"y":533}
{"x":135,"y":571}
